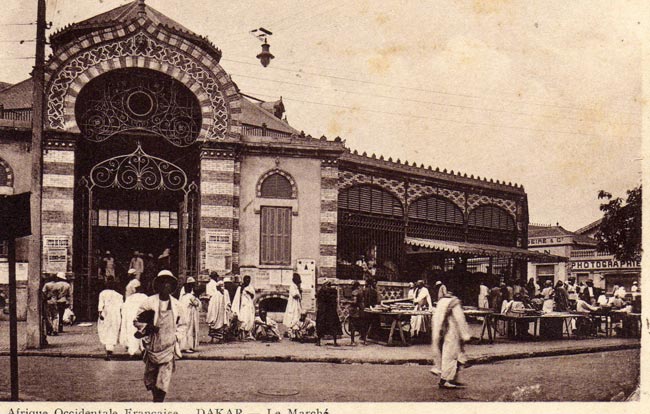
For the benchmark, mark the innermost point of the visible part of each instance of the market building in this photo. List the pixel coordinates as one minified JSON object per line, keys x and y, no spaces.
{"x":583,"y":261}
{"x":149,"y":144}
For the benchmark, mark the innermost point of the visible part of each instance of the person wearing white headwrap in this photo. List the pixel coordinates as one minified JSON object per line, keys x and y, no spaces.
{"x":191,"y":306}
{"x":218,"y":317}
{"x":129,"y":311}
{"x":449,"y":332}
{"x":133,"y":284}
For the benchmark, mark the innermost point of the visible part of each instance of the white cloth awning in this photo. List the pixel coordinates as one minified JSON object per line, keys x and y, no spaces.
{"x":481,"y":250}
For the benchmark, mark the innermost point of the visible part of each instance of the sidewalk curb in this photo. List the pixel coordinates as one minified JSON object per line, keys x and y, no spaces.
{"x":344,"y":360}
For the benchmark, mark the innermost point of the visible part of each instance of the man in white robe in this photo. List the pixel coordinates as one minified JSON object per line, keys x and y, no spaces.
{"x":211,"y":286}
{"x":218,"y":317}
{"x":110,"y":317}
{"x":129,"y":311}
{"x":294,"y":303}
{"x":483,"y":293}
{"x":450,"y":331}
{"x":243,"y":305}
{"x":191,"y":306}
{"x":422,"y":301}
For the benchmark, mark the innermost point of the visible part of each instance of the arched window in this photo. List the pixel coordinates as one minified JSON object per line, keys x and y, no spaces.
{"x":369,"y":199}
{"x":436,"y":209}
{"x":6,"y":174}
{"x":491,"y":217}
{"x":276,"y":186}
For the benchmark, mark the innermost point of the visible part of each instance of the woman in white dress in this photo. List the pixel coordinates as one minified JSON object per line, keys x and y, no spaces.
{"x":294,"y":303}
{"x":110,"y":317}
{"x":243,"y":305}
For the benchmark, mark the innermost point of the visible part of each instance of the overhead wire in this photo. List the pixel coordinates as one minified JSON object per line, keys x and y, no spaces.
{"x":355,"y":108}
{"x":403,"y":99}
{"x":299,"y":71}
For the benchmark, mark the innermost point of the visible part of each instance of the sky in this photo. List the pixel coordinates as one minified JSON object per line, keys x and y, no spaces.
{"x":546,"y":94}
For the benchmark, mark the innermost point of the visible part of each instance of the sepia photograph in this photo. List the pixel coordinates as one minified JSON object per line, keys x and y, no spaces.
{"x":275,"y":207}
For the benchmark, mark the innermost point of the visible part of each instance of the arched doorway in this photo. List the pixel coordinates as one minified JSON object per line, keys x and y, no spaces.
{"x":137,"y":174}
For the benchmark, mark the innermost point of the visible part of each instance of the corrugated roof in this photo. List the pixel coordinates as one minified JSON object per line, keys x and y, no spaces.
{"x":18,"y":95}
{"x":254,"y":114}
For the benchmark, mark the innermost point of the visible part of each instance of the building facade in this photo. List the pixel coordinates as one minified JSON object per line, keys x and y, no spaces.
{"x":583,"y":262}
{"x":150,"y":145}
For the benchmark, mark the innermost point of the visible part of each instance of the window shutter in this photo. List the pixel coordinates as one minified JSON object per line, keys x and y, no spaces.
{"x":275,"y":235}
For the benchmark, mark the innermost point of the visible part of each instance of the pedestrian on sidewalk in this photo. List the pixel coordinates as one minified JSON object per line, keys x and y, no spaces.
{"x":191,"y":306}
{"x":62,"y":292}
{"x":294,"y":303}
{"x":327,"y":317}
{"x":450,"y":331}
{"x":133,"y":283}
{"x":127,"y":330}
{"x":161,"y":319}
{"x":243,"y":306}
{"x":110,"y":317}
{"x":51,"y":312}
{"x":218,"y":317}
{"x":356,"y":314}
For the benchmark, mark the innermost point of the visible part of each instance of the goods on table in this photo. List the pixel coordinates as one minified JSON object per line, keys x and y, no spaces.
{"x":393,"y":307}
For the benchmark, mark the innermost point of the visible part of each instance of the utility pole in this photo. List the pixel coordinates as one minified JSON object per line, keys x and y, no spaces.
{"x":35,"y":337}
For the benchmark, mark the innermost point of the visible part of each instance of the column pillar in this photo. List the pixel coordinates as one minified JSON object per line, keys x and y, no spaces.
{"x":58,"y":203}
{"x":328,"y":217}
{"x":219,"y":188}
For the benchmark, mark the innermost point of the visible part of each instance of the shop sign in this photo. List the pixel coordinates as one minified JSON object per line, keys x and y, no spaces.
{"x":538,"y":241}
{"x":605,"y":264}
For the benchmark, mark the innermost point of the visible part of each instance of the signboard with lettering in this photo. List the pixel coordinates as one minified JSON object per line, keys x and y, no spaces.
{"x":218,"y":250}
{"x":55,"y":250}
{"x":539,"y":241}
{"x":605,"y":264}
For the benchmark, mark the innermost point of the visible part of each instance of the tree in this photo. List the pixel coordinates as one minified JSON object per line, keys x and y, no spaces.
{"x":620,"y":230}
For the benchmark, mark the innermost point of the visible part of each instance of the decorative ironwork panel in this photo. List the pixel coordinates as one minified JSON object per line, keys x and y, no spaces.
{"x":349,"y":179}
{"x":138,"y":99}
{"x":139,"y":45}
{"x":416,"y":191}
{"x":138,"y":171}
{"x":475,"y":200}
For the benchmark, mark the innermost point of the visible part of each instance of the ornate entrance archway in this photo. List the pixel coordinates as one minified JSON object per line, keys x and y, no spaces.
{"x":125,"y":176}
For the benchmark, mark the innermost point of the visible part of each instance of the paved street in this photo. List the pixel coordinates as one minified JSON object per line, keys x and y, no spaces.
{"x":565,"y":378}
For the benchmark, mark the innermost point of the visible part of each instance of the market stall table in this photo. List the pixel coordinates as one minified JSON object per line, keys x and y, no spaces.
{"x":488,"y":321}
{"x":398,"y":318}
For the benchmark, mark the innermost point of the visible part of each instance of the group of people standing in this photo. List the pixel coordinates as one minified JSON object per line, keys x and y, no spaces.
{"x":144,"y":267}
